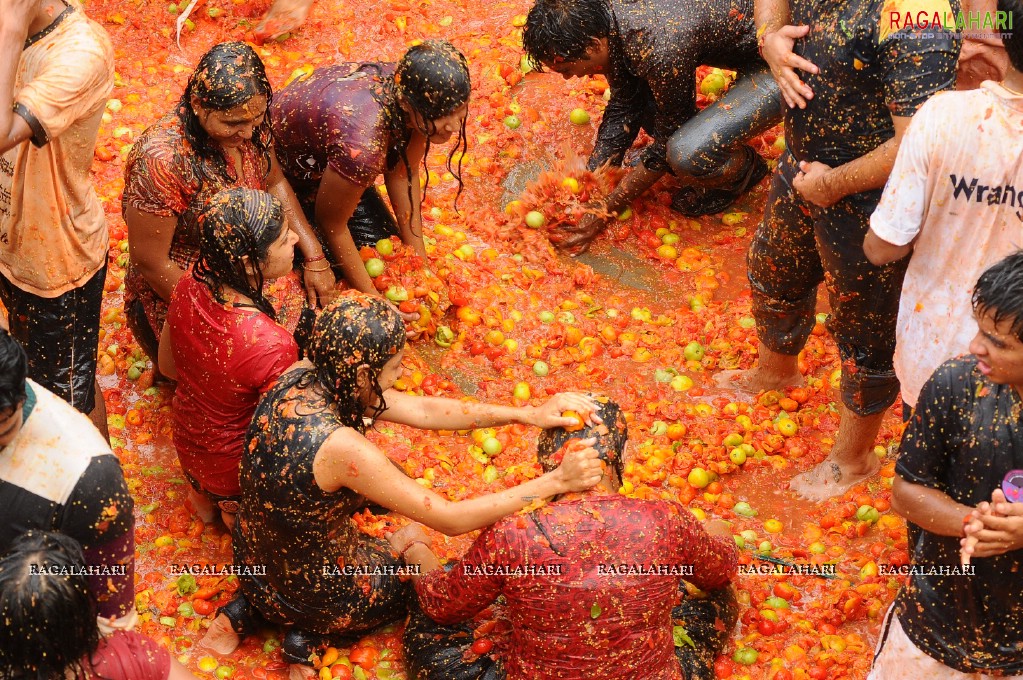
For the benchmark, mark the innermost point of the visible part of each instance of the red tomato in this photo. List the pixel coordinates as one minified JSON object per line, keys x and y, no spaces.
{"x":482,"y":646}
{"x":766,"y":627}
{"x":723,"y":668}
{"x":364,"y":656}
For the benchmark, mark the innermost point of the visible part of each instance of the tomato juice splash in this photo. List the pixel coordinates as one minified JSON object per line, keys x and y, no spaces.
{"x":659,"y":305}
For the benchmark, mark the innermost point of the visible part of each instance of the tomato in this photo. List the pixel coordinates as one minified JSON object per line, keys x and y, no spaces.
{"x":765,"y":627}
{"x":366,"y":657}
{"x":482,"y":646}
{"x":723,"y":667}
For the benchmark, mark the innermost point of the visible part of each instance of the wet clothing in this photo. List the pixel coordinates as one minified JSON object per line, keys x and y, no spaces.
{"x":53,"y":232}
{"x":226,"y":357}
{"x":304,"y":536}
{"x":127,"y":655}
{"x":60,"y":336}
{"x":343,"y":117}
{"x":952,"y":193}
{"x":983,"y":56}
{"x":897,"y":658}
{"x":796,"y":248}
{"x":654,"y":47}
{"x":966,"y":433}
{"x":60,"y":475}
{"x":164,"y":176}
{"x":590,"y":614}
{"x":868,"y":73}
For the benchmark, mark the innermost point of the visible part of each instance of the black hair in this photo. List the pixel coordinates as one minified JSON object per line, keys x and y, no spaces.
{"x":13,"y":372}
{"x":228,"y":75}
{"x":433,"y":78}
{"x":354,"y":330}
{"x":48,"y":612}
{"x":611,"y":435}
{"x":564,"y":28}
{"x":1012,"y":37}
{"x":233,"y":224}
{"x":999,"y":292}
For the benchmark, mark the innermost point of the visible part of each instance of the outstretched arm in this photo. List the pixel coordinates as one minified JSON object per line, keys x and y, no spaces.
{"x":439,"y":413}
{"x":347,"y":459}
{"x":399,"y":182}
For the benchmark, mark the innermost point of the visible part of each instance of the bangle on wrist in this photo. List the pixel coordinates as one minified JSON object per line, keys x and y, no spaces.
{"x":321,"y":256}
{"x":406,"y":548}
{"x":324,"y":268}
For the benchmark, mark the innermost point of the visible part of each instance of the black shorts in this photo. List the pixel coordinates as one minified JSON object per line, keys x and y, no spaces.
{"x":60,"y":336}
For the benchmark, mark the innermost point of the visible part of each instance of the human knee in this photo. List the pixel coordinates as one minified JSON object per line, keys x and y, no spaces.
{"x":867,"y":392}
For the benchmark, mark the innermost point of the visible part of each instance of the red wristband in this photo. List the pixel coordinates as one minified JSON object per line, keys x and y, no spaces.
{"x":321,"y":256}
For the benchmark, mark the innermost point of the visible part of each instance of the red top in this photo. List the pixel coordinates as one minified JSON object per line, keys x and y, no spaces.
{"x":127,"y":655}
{"x":594,"y":619}
{"x":226,"y":357}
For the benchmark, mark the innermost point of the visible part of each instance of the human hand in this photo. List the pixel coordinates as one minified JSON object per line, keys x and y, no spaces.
{"x":777,"y":51}
{"x":581,"y":467}
{"x":549,"y":414}
{"x":812,"y":183}
{"x":408,"y":318}
{"x":407,"y":535}
{"x":319,"y":286}
{"x":993,"y":529}
{"x":581,"y":234}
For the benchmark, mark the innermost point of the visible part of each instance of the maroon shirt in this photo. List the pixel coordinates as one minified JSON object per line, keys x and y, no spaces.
{"x":340,"y":117}
{"x":591,"y":615}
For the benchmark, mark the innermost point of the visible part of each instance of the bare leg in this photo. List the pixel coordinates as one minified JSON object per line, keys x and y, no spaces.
{"x":228,"y":519}
{"x":283,"y":17}
{"x":98,"y":416}
{"x":221,"y":638}
{"x":850,"y":462}
{"x":773,"y":371}
{"x":203,"y":506}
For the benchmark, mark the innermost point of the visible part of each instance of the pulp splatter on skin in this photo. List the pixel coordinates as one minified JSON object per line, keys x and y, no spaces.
{"x":174,"y":167}
{"x":286,"y":521}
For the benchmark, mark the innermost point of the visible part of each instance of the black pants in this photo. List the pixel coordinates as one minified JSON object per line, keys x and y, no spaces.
{"x":60,"y":336}
{"x":796,"y":248}
{"x":710,"y":149}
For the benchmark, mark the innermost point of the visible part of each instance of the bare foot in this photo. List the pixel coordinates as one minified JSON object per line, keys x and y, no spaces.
{"x":299,"y":671}
{"x":830,"y":479}
{"x":283,"y":17}
{"x":202,"y":505}
{"x":757,"y":380}
{"x":220,"y":638}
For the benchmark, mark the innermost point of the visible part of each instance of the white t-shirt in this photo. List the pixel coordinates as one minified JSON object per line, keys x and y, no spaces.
{"x":957,"y":188}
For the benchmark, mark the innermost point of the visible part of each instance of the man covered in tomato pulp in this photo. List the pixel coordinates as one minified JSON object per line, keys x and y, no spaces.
{"x":592,"y":583}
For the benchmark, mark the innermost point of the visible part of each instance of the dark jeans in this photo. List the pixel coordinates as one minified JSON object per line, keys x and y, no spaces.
{"x":796,"y":248}
{"x":710,"y":149}
{"x":60,"y":336}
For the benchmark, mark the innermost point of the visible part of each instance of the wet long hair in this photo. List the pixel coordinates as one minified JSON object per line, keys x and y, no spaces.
{"x":228,"y":75}
{"x":233,"y":224}
{"x":13,"y":372}
{"x":48,"y":612}
{"x":433,"y":78}
{"x":611,"y":435}
{"x":354,"y":330}
{"x":999,"y":292}
{"x":564,"y":28}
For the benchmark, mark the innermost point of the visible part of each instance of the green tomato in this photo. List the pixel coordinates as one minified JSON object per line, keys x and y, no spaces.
{"x":693,"y":351}
{"x":512,"y":122}
{"x":579,"y":117}
{"x":490,"y":474}
{"x":224,"y":672}
{"x":540,"y":368}
{"x":765,"y":548}
{"x":747,"y":322}
{"x":567,"y":318}
{"x":385,"y":246}
{"x":670,"y":239}
{"x":185,"y":609}
{"x":713,"y":84}
{"x":733,"y":440}
{"x":625,"y":214}
{"x":375,"y":267}
{"x":749,"y":535}
{"x":396,"y":294}
{"x":444,"y":336}
{"x":740,"y":542}
{"x":747,"y":656}
{"x":737,"y":456}
{"x":134,"y":373}
{"x":775,"y":602}
{"x":270,"y":645}
{"x":535,"y":219}
{"x":743,"y":508}
{"x":658,"y":428}
{"x":681,"y":383}
{"x":491,"y":446}
{"x":547,"y":317}
{"x":867,"y":513}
